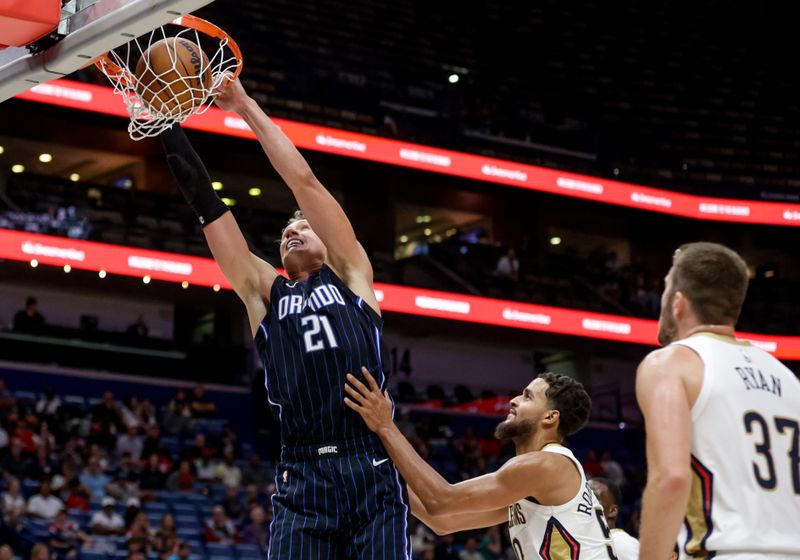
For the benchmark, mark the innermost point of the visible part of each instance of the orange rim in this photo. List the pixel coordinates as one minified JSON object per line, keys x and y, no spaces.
{"x":116,"y":72}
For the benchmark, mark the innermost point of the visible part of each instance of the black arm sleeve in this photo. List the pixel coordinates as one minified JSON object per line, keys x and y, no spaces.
{"x":191,"y":175}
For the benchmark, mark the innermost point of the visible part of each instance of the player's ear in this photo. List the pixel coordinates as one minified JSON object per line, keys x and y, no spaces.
{"x":551,"y":418}
{"x":679,"y":304}
{"x":613,"y":511}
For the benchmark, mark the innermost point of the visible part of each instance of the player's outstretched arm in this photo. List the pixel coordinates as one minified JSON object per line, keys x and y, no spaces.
{"x":324,"y":214}
{"x":453,"y":523}
{"x":662,"y":397}
{"x":524,"y":475}
{"x":249,"y":276}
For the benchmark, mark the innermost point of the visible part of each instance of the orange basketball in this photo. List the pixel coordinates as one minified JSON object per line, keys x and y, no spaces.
{"x":173,"y":76}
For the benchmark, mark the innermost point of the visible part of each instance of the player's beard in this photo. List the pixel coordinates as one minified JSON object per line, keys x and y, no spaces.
{"x":513,"y":430}
{"x":667,"y":329}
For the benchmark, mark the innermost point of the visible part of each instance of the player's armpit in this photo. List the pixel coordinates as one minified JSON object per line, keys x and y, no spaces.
{"x":453,"y":523}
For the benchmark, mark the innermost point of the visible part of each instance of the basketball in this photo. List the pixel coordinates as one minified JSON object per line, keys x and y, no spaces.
{"x":173,"y":77}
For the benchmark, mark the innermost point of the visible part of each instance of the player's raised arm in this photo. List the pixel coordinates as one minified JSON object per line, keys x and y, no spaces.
{"x":318,"y":205}
{"x":520,"y":477}
{"x":667,"y":415}
{"x":250,"y":276}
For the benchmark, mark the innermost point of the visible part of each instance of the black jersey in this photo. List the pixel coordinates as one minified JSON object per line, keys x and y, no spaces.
{"x":314,"y":333}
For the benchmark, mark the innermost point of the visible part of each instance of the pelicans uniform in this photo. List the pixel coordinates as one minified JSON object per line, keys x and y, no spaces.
{"x":745,"y":494}
{"x":626,"y":546}
{"x":338,"y":494}
{"x":576,"y":530}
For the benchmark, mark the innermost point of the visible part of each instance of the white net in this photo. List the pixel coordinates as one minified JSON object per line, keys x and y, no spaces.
{"x":166,"y":76}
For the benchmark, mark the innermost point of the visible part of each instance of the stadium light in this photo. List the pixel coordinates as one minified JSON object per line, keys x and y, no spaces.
{"x":67,"y":268}
{"x":146,"y":279}
{"x":255,"y":191}
{"x":216,"y":287}
{"x":184,"y":284}
{"x":17,"y":168}
{"x":403,"y":239}
{"x":74,"y":177}
{"x":555,"y":241}
{"x":34,"y":263}
{"x":102,"y":274}
{"x":427,"y":231}
{"x":216,"y":185}
{"x":2,"y":149}
{"x":45,"y":158}
{"x":453,"y":78}
{"x":229,"y":202}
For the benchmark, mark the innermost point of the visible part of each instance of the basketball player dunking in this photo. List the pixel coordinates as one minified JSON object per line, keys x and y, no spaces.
{"x":542,"y":493}
{"x":722,"y":420}
{"x":338,"y":495}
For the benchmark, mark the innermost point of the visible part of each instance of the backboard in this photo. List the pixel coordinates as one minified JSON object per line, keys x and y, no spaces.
{"x":88,"y":28}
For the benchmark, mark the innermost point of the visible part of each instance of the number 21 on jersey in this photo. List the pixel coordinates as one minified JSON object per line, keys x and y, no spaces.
{"x":316,"y":332}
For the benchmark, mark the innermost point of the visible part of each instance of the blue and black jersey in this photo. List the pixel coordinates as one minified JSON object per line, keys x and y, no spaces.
{"x":314,"y":333}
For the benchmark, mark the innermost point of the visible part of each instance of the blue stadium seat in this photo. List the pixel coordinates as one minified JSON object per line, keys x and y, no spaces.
{"x":92,"y":555}
{"x":26,"y":395}
{"x":190,"y":533}
{"x":184,"y":509}
{"x":30,"y":487}
{"x":223,"y":550}
{"x":198,"y":500}
{"x":155,"y":507}
{"x":74,"y":400}
{"x":195,"y":545}
{"x":248,"y":551}
{"x":185,"y":524}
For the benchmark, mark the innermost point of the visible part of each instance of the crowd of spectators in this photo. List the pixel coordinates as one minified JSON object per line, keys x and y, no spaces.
{"x":62,"y":221}
{"x":70,"y":472}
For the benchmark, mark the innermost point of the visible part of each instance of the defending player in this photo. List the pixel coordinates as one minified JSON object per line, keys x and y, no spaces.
{"x":723,"y":423}
{"x":337,"y":495}
{"x":610,"y":497}
{"x":542,"y":492}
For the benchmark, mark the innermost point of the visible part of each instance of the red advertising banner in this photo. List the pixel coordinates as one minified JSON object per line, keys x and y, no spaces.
{"x":198,"y":271}
{"x":77,"y":95}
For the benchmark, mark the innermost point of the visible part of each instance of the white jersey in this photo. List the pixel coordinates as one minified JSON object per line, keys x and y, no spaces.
{"x":626,"y":546}
{"x":745,"y":495}
{"x":575,"y":530}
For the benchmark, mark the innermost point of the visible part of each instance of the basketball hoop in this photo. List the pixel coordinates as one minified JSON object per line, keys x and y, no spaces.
{"x":150,"y":119}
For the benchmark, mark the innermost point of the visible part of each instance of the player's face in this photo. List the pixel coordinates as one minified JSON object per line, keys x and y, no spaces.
{"x":527,"y":410}
{"x":667,"y":325}
{"x":604,"y":497}
{"x":301,"y":249}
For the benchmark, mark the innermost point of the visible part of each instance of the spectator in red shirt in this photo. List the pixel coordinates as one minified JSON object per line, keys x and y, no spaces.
{"x":220,"y":529}
{"x":78,"y":497}
{"x":24,"y":434}
{"x":592,"y":466}
{"x":181,"y":480}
